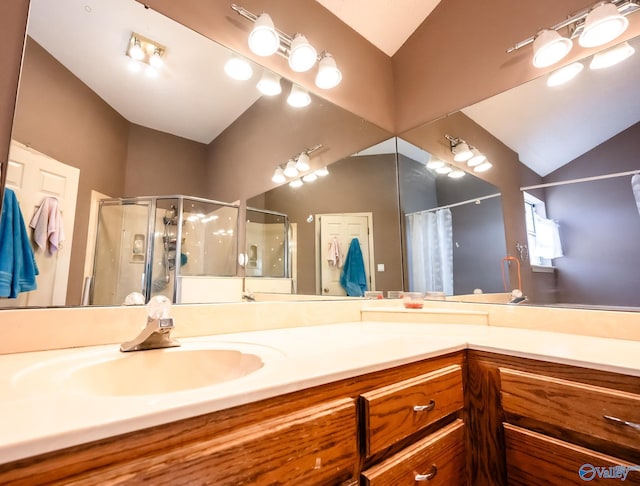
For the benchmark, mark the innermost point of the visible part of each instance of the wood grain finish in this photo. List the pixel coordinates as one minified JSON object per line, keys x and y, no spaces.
{"x":389,"y":413}
{"x":534,"y":459}
{"x":571,"y":405}
{"x":440,"y":454}
{"x":315,"y":446}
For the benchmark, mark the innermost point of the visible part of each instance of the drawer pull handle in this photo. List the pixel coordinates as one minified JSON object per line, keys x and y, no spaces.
{"x":430,"y":475}
{"x":622,"y":422}
{"x":425,"y":408}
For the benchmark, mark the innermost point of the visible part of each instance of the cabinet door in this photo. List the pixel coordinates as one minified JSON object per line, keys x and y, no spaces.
{"x":314,"y":446}
{"x":608,"y":414}
{"x":394,"y":412}
{"x":438,"y":459}
{"x":535,"y":459}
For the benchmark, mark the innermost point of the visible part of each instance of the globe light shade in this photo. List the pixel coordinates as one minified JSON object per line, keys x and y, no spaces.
{"x":549,"y":47}
{"x":263,"y":39}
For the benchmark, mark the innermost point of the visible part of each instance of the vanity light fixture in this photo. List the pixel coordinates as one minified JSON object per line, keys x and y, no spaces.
{"x":456,"y":174}
{"x":144,"y":52}
{"x":485,"y":166}
{"x":564,"y":74}
{"x":278,"y":176}
{"x":594,"y":26}
{"x":266,"y":40}
{"x":298,"y":97}
{"x":297,"y":165}
{"x":310,"y":177}
{"x":612,"y":56}
{"x":445,"y":169}
{"x":296,"y":183}
{"x":435,"y":164}
{"x":459,"y":148}
{"x":302,"y":162}
{"x":322,"y":172}
{"x":238,"y":68}
{"x":477,"y":158}
{"x":269,"y":84}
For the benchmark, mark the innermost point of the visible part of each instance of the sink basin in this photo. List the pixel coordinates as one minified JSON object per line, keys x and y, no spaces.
{"x":163,"y":371}
{"x":112,"y":373}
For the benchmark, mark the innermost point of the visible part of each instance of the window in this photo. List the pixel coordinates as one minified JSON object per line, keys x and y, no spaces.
{"x":534,"y":207}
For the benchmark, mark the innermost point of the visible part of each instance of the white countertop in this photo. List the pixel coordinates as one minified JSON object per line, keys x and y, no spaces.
{"x":44,"y":416}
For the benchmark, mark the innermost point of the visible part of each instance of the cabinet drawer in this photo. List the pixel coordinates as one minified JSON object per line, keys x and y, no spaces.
{"x":535,"y":459}
{"x":313,"y":446}
{"x":574,"y":406}
{"x":439,"y":458}
{"x":396,"y":411}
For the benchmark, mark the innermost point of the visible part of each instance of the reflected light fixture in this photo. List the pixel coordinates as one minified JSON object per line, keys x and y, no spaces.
{"x":564,"y":74}
{"x":456,"y":174}
{"x":485,"y":166}
{"x":146,"y":53}
{"x":435,"y":164}
{"x":263,"y":39}
{"x":445,"y":169}
{"x":302,"y":55}
{"x":238,"y":68}
{"x":322,"y":172}
{"x":594,"y":26}
{"x":477,"y":158}
{"x":290,"y":169}
{"x":329,"y":76}
{"x":296,"y":183}
{"x":278,"y":176}
{"x":549,"y":48}
{"x":612,"y":56}
{"x":298,"y":97}
{"x":603,"y":24}
{"x":269,"y":84}
{"x":310,"y":177}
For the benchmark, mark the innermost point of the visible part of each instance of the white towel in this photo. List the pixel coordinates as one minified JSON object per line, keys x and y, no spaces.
{"x":335,"y":253}
{"x":47,"y":225}
{"x":548,"y":243}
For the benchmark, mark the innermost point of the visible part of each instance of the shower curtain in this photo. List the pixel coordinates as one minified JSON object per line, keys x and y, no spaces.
{"x":430,"y":251}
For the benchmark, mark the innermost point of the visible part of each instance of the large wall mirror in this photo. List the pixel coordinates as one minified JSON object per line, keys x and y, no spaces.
{"x":577,"y":145}
{"x":189,"y":130}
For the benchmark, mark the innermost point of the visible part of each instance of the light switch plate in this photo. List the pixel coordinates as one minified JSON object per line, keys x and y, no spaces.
{"x":380,"y":267}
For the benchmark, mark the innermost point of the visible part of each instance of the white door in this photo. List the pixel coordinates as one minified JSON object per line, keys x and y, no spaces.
{"x":344,"y":227}
{"x":34,"y":176}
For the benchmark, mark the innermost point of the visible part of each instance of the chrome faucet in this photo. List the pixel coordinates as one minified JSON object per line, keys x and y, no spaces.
{"x":157,"y":332}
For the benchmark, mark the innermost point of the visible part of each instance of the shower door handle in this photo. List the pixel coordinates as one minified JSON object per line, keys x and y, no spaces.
{"x":142,"y":281}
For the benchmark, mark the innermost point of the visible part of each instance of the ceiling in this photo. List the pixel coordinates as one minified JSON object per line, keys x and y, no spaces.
{"x":196,"y":100}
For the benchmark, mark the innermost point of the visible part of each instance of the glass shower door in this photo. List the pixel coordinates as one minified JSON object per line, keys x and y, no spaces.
{"x":122,"y":247}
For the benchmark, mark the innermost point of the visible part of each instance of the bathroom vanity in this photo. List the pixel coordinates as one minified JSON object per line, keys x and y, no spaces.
{"x":355,"y":403}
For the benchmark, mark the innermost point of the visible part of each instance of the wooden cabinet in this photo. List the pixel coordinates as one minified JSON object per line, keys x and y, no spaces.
{"x":401,"y":409}
{"x":438,"y":459}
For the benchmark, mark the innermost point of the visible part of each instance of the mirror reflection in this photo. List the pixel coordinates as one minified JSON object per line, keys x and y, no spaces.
{"x":110,"y":132}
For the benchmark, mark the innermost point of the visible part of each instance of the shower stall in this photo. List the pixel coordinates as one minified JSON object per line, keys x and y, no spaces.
{"x":151,"y":245}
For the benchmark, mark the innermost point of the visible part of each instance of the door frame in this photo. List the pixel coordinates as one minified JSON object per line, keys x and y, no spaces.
{"x":371,"y":261}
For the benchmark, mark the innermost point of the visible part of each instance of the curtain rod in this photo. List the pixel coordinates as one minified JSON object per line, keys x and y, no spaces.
{"x":583,"y":179}
{"x":462,"y":203}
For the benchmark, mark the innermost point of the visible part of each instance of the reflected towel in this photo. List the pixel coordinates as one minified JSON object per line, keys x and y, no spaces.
{"x":354,"y":278}
{"x":18,"y":267}
{"x":548,"y":243}
{"x":635,"y":186}
{"x":335,"y":253}
{"x":47,"y":225}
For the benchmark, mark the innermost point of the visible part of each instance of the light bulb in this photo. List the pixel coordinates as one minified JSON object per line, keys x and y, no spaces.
{"x":603,"y":24}
{"x":612,"y":56}
{"x":485,"y":166}
{"x":136,"y":51}
{"x":302,"y":164}
{"x":435,"y":164}
{"x":238,"y":69}
{"x":461,"y":152}
{"x":278,"y":176}
{"x":323,"y":172}
{"x":298,"y":97}
{"x":263,"y":39}
{"x":156,"y":60}
{"x":564,"y":74}
{"x":477,"y":158}
{"x":329,"y":76}
{"x":549,"y":47}
{"x":296,"y":183}
{"x":290,"y":169}
{"x":302,"y":55}
{"x":269,"y":84}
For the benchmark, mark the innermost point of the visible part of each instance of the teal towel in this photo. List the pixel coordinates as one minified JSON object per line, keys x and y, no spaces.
{"x":353,"y":278}
{"x":18,"y":267}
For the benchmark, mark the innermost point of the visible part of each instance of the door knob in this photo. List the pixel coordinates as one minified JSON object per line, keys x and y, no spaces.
{"x":325,"y":290}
